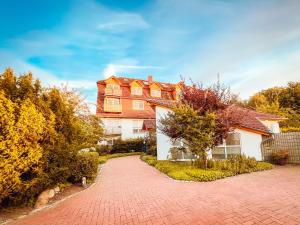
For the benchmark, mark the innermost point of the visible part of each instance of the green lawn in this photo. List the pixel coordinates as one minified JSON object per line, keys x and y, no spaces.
{"x":218,"y":169}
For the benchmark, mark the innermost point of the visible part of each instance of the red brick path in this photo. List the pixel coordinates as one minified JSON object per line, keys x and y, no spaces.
{"x":129,"y":191}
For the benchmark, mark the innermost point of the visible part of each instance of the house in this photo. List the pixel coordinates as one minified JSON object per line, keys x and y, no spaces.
{"x":246,"y":138}
{"x":121,"y":104}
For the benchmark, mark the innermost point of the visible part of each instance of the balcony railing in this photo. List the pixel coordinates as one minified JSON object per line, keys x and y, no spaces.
{"x":112,"y":108}
{"x":113,"y":130}
{"x":117,"y":92}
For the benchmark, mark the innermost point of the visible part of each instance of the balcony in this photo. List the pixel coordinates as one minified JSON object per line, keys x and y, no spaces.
{"x":116,"y":92}
{"x":113,"y":130}
{"x":112,"y":108}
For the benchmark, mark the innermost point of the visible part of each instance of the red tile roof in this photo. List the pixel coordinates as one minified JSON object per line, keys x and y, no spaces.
{"x":124,"y":81}
{"x":251,"y":119}
{"x":248,"y":119}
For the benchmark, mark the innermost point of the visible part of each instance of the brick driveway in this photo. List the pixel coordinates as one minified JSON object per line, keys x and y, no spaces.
{"x":129,"y":191}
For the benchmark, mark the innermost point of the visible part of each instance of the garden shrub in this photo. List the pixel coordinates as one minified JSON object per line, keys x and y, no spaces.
{"x":280,"y":157}
{"x":41,"y":132}
{"x":102,"y":159}
{"x":86,"y":166}
{"x":129,"y":145}
{"x":103,"y":149}
{"x":217,"y":168}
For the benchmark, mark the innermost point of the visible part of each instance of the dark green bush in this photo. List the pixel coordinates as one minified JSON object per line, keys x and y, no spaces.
{"x":103,"y":149}
{"x":103,"y":158}
{"x":86,"y":166}
{"x":129,"y":145}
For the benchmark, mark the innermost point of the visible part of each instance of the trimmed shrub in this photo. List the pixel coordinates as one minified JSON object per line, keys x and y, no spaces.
{"x":129,"y":145}
{"x":86,"y":166}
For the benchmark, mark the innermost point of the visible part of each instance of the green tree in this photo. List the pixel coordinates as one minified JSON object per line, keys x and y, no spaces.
{"x":284,"y":101}
{"x":197,"y":130}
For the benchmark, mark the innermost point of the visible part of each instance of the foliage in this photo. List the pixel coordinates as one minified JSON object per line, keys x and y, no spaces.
{"x":185,"y":123}
{"x":220,"y":169}
{"x":103,"y":149}
{"x":202,"y":119}
{"x":41,"y":131}
{"x":102,"y":159}
{"x":282,"y":101}
{"x":280,"y":157}
{"x":150,"y":141}
{"x":129,"y":145}
{"x":86,"y":166}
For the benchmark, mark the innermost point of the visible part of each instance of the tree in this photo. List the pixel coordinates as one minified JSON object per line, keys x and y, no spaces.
{"x":215,"y":99}
{"x":20,"y":150}
{"x":198,"y":131}
{"x":282,"y":101}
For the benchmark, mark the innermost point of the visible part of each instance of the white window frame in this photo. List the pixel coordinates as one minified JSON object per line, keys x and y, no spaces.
{"x":114,"y":101}
{"x":138,"y":104}
{"x":225,"y":146}
{"x":136,"y":91}
{"x":155,"y":93}
{"x":113,"y":86}
{"x":137,"y":126}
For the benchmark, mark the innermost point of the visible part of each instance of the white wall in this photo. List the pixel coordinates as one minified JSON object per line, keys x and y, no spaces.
{"x":127,"y":130}
{"x":272,"y":125}
{"x":163,"y":142}
{"x":122,"y":126}
{"x":251,"y":144}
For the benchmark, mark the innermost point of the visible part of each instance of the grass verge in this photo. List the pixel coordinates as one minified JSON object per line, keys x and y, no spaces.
{"x":185,"y":171}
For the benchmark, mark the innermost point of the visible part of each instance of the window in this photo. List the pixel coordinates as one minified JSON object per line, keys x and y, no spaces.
{"x":112,"y":101}
{"x":136,"y":91}
{"x":155,"y":93}
{"x":138,"y":104}
{"x":231,"y":146}
{"x":113,"y":86}
{"x":138,"y":126}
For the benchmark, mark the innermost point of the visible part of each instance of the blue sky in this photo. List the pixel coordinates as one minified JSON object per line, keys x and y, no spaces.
{"x":253,"y":45}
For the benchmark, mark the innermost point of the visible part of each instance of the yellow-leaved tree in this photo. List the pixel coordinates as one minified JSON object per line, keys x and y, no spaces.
{"x":21,"y":128}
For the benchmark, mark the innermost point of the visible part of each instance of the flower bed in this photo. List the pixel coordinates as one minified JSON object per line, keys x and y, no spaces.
{"x":219,"y":169}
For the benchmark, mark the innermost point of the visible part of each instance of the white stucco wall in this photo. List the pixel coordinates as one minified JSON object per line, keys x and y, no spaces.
{"x":272,"y":125}
{"x":163,"y":142}
{"x":250,"y":144}
{"x":127,"y":130}
{"x":123,"y":126}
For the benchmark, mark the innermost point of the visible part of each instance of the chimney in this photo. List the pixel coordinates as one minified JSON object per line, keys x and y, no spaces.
{"x":150,"y":79}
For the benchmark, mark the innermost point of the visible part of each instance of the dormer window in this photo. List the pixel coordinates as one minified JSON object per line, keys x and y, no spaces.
{"x":136,"y":91}
{"x":113,"y":86}
{"x":136,"y":87}
{"x":156,"y":93}
{"x":155,"y":90}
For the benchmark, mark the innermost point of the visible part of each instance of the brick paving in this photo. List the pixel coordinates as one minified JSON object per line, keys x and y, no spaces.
{"x":128,"y":191}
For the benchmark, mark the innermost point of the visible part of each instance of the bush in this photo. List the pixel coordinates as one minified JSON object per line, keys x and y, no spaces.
{"x":129,"y":145}
{"x":86,"y":166}
{"x":218,"y":169}
{"x":103,"y":149}
{"x":102,"y":159}
{"x":280,"y":157}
